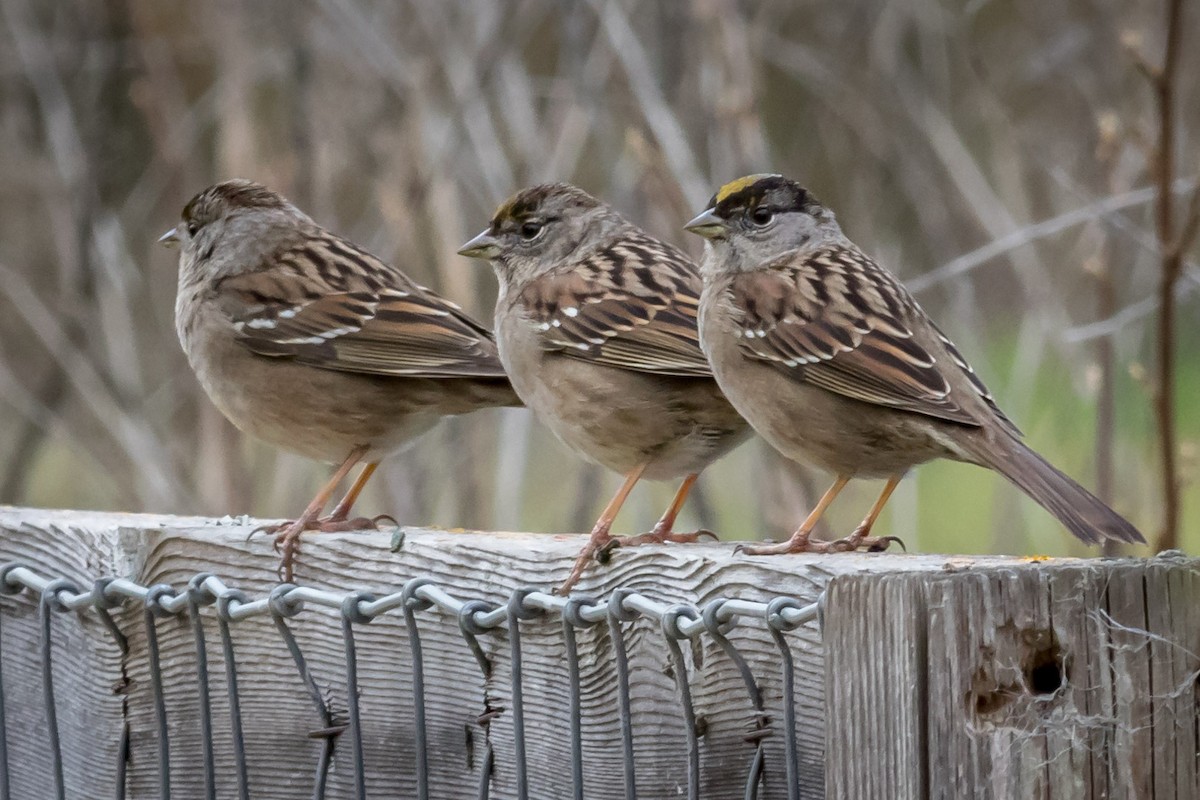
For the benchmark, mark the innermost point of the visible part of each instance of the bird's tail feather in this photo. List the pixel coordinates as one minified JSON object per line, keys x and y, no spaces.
{"x":1083,"y":514}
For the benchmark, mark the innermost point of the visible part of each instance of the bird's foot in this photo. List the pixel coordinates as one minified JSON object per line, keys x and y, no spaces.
{"x":600,"y":542}
{"x":658,"y":535}
{"x":859,"y":540}
{"x":287,"y":535}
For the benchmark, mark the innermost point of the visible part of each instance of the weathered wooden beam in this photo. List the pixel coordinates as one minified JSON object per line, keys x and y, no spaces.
{"x":1056,"y":679}
{"x":936,"y":676}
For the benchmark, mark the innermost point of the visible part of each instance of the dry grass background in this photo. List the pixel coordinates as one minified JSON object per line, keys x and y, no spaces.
{"x":993,"y":153}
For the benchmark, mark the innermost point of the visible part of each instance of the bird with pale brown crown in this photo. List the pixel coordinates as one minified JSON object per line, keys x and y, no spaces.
{"x":310,"y":343}
{"x":596,"y":327}
{"x":834,"y":363}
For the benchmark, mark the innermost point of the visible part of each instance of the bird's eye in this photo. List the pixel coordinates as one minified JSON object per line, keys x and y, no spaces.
{"x":192,"y":228}
{"x":761,"y":216}
{"x":531,"y":230}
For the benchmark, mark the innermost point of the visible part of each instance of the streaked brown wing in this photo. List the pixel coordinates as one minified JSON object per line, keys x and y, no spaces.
{"x":837,"y":321}
{"x":327,"y":303}
{"x":631,"y":305}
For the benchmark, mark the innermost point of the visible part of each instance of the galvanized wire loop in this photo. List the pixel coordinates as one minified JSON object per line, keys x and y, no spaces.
{"x":469,"y":626}
{"x":572,"y":618}
{"x":616,"y":614}
{"x":412,"y":604}
{"x":197,"y":596}
{"x":775,"y":608}
{"x":231,"y":688}
{"x":409,"y":597}
{"x":572,"y":611}
{"x":351,"y":613}
{"x":8,"y":587}
{"x":673,"y":634}
{"x":155,"y":595}
{"x":101,"y":599}
{"x":48,"y":603}
{"x":151,"y":611}
{"x":758,"y":736}
{"x":198,"y":592}
{"x":778,"y":626}
{"x":352,"y":607}
{"x":616,"y":606}
{"x":711,"y":615}
{"x":52,"y":594}
{"x":670,"y":621}
{"x":519,"y":609}
{"x":228,"y":600}
{"x":283,"y":603}
{"x":280,"y":612}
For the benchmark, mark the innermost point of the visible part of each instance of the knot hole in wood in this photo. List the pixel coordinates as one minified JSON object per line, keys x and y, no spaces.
{"x":1034,"y":677}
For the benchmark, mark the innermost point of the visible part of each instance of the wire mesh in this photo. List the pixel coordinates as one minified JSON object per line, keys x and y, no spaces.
{"x":421,"y":601}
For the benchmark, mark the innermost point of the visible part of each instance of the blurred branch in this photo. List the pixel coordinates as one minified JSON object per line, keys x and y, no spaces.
{"x":141,"y":446}
{"x":39,"y":408}
{"x":663,"y":124}
{"x":1040,"y":230}
{"x":1101,"y":210}
{"x":1173,"y":239}
{"x":1131,"y":313}
{"x":62,"y":130}
{"x":1106,"y":399}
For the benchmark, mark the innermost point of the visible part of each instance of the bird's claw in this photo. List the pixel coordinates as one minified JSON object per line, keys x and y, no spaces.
{"x":881,"y":544}
{"x":604,"y":552}
{"x":380,"y":517}
{"x":268,"y":528}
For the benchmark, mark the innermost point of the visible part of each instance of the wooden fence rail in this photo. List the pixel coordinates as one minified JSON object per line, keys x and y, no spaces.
{"x":931,"y":677}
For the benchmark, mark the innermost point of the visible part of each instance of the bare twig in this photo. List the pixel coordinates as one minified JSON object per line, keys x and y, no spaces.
{"x":1130,"y":313}
{"x":668,"y":132}
{"x":1040,"y":230}
{"x":1173,"y":238}
{"x":157,"y":483}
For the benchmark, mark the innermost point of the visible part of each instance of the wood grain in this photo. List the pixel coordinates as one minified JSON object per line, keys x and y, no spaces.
{"x":1053,"y":679}
{"x":936,"y":676}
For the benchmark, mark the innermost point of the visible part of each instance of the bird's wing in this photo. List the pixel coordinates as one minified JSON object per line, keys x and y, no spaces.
{"x":326,"y":302}
{"x":631,"y":305}
{"x":834,"y":319}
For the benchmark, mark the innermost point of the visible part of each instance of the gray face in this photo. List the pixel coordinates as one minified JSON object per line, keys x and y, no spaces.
{"x":543,"y":227}
{"x":228,"y":228}
{"x":750,"y":223}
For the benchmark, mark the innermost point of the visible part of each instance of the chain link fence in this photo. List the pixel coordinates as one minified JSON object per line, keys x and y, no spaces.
{"x":118,"y":604}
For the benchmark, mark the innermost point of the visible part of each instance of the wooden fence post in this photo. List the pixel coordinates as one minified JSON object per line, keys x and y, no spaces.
{"x":935,"y":676}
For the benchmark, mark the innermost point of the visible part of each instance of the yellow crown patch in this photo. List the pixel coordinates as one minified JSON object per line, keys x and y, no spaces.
{"x":733,"y":187}
{"x":505,"y":210}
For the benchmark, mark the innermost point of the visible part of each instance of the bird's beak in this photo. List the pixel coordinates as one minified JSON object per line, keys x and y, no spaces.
{"x":482,"y":246}
{"x":707,"y":224}
{"x":170,"y":238}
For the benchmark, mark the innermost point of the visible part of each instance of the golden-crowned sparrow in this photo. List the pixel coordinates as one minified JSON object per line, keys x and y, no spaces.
{"x":307,"y":341}
{"x":596,"y":325}
{"x":832,"y":361}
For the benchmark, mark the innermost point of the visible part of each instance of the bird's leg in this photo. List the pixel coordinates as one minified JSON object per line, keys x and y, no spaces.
{"x":601,"y":535}
{"x":861,"y":536}
{"x":339,"y":519}
{"x":287,"y":536}
{"x":799,"y":542}
{"x":663,"y":529}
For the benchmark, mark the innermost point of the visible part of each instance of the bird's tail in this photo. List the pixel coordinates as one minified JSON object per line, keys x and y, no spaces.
{"x":1083,"y":514}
